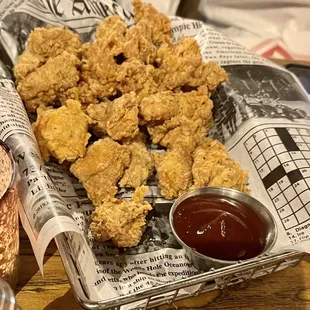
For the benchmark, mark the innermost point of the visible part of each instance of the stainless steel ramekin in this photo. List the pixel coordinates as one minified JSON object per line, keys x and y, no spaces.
{"x":203,"y":262}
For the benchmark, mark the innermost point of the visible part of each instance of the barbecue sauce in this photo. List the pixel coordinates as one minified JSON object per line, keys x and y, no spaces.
{"x":220,"y":228}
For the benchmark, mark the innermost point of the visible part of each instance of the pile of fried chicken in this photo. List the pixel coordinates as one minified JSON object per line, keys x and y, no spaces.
{"x":126,"y":88}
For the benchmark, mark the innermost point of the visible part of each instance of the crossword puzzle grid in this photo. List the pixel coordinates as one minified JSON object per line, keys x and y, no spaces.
{"x":282,"y":159}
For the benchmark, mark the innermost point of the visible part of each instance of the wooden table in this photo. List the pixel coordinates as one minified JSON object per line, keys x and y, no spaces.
{"x":288,"y":289}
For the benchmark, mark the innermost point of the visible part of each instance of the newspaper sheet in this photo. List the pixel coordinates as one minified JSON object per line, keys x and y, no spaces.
{"x":262,"y":115}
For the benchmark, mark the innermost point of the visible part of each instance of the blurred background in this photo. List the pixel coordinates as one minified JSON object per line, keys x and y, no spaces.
{"x":272,"y":28}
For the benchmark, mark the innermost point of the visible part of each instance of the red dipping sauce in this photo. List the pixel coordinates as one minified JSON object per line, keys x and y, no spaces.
{"x":221,"y":228}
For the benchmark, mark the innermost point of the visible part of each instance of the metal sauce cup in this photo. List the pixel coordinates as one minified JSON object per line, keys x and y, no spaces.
{"x":203,"y":262}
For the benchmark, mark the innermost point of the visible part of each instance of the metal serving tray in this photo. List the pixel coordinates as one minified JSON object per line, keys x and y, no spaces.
{"x":207,"y":281}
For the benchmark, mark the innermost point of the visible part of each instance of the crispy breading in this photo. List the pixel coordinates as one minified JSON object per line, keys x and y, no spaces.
{"x":89,"y":93}
{"x":119,"y":118}
{"x":141,"y":138}
{"x":157,"y":131}
{"x":187,"y":115}
{"x":131,"y":233}
{"x":62,"y":133}
{"x":140,"y":193}
{"x":139,"y":43}
{"x":113,"y":214}
{"x":106,"y":71}
{"x":111,"y":26}
{"x":141,"y":166}
{"x":185,"y":136}
{"x":27,"y":62}
{"x":45,"y":43}
{"x":116,"y":62}
{"x":101,"y":168}
{"x":123,"y":119}
{"x":120,"y":219}
{"x":186,"y":47}
{"x":159,"y":22}
{"x":99,"y":70}
{"x":53,"y":41}
{"x":100,"y":114}
{"x":209,"y":74}
{"x":50,"y":82}
{"x":213,"y":167}
{"x":135,"y":42}
{"x":177,"y":72}
{"x":181,"y":65}
{"x":133,"y":75}
{"x":159,"y":107}
{"x":180,"y":131}
{"x":164,"y":106}
{"x":174,"y":172}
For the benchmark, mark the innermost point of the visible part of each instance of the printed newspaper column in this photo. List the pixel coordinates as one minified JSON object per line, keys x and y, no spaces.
{"x":40,"y":198}
{"x":95,"y":284}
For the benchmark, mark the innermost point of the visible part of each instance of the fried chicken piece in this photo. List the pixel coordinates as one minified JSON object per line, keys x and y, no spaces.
{"x":51,"y":41}
{"x":51,"y":82}
{"x":213,"y":167}
{"x":136,"y":42}
{"x":116,"y":62}
{"x":186,"y":47}
{"x":112,"y":27}
{"x":174,"y":172}
{"x":209,"y":74}
{"x":62,"y":133}
{"x":106,"y":72}
{"x":120,"y":219}
{"x":45,"y":43}
{"x":177,"y":118}
{"x":101,"y":168}
{"x":111,"y":217}
{"x":181,"y":65}
{"x":159,"y":22}
{"x":100,"y":114}
{"x":139,"y":43}
{"x":181,"y":131}
{"x":133,"y":75}
{"x":176,"y":72}
{"x":89,"y":92}
{"x":131,"y":233}
{"x":140,"y":168}
{"x":123,"y":120}
{"x":99,"y":70}
{"x":185,"y":136}
{"x":164,"y":106}
{"x":159,"y":107}
{"x":119,"y":118}
{"x":27,"y":62}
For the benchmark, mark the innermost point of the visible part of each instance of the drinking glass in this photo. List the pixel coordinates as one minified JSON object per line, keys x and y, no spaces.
{"x":9,"y":232}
